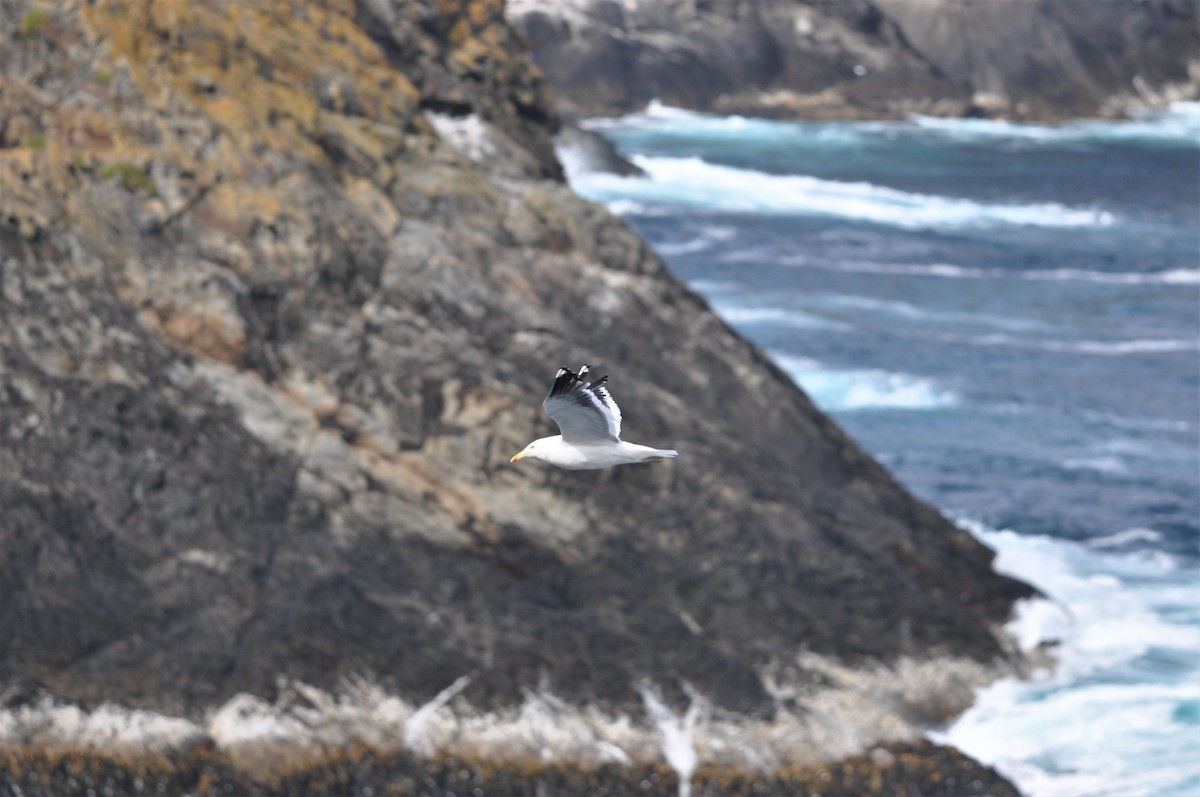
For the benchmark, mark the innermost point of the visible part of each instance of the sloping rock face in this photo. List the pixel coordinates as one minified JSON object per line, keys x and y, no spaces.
{"x":282,"y":286}
{"x":1043,"y":59}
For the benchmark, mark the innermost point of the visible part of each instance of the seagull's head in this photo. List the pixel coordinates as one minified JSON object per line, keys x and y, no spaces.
{"x":530,"y":450}
{"x":538,"y":449}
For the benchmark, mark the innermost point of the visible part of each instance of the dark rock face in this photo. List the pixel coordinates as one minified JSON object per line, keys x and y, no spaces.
{"x":865,"y":58}
{"x":1057,"y":60}
{"x":281,"y":289}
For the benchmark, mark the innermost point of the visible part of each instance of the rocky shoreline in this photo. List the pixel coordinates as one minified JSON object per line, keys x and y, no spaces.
{"x":281,"y":286}
{"x":865,"y":59}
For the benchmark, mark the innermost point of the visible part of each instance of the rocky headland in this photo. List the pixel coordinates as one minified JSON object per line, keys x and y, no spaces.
{"x":1046,"y":60}
{"x":282,"y":286}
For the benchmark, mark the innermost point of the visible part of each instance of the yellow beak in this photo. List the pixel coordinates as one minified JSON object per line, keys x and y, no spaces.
{"x":518,"y":457}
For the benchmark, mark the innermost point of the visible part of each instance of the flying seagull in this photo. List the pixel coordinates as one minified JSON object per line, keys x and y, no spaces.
{"x":590,"y":422}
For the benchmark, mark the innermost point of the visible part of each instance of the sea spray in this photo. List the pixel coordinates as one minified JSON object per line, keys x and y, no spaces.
{"x":1118,"y":713}
{"x":678,"y":734}
{"x":865,"y":388}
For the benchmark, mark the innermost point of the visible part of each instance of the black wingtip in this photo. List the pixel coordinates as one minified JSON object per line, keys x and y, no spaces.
{"x":566,"y":379}
{"x":563,"y":380}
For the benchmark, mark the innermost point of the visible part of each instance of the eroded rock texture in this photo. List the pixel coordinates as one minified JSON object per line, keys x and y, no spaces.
{"x":1030,"y":59}
{"x":282,"y":285}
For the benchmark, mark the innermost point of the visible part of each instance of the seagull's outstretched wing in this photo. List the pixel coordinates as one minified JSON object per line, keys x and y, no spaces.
{"x":585,"y":412}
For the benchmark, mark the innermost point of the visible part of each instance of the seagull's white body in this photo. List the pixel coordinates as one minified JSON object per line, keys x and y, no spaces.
{"x":590,"y":457}
{"x":590,"y":422}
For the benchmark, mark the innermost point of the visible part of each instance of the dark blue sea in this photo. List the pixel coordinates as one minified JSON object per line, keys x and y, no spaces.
{"x":1008,"y":317}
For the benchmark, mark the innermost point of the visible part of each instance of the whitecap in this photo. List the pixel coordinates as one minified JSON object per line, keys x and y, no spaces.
{"x":1126,"y":537}
{"x":1179,"y":276}
{"x":628,"y":207}
{"x":889,"y":306}
{"x":914,"y":312}
{"x":709,"y":287}
{"x":695,"y":183}
{"x":1179,"y":124}
{"x":860,"y":389}
{"x":1108,"y":718}
{"x":740,"y":315}
{"x":705,"y":239}
{"x":1109,"y":465}
{"x":654,"y":114}
{"x":1105,"y":348}
{"x":1120,"y":347}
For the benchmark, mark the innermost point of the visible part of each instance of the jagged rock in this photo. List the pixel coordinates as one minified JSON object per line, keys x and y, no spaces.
{"x":584,"y":151}
{"x":865,"y":58}
{"x":281,"y":288}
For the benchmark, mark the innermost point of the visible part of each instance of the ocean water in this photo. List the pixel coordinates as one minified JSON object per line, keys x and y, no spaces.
{"x":1008,"y":317}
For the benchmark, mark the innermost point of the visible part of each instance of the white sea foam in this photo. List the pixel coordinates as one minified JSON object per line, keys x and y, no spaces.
{"x":916,"y":313}
{"x":656,"y":113}
{"x":1179,"y":276}
{"x":1103,"y":348}
{"x":1179,"y":124}
{"x":1119,"y":347}
{"x":889,"y":306}
{"x":740,"y":314}
{"x":864,"y":388}
{"x":702,"y":241}
{"x":629,"y":207}
{"x":1110,"y":464}
{"x":695,"y":183}
{"x":1109,"y":720}
{"x":1127,"y":537}
{"x":712,"y":287}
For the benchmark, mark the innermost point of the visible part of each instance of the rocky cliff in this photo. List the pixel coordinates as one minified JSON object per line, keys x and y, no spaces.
{"x":1026,"y":59}
{"x":282,"y":286}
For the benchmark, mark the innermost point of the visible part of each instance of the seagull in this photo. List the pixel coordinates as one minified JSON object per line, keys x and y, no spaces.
{"x":590,"y":422}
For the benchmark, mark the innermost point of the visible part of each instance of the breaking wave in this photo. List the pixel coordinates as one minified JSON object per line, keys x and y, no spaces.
{"x":865,"y":388}
{"x":697,"y":184}
{"x":1179,"y":124}
{"x":1123,"y":624}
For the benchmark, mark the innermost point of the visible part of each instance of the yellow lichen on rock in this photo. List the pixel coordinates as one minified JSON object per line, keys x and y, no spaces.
{"x":259,"y":71}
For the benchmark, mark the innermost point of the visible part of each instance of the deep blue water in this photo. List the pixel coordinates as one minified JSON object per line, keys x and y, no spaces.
{"x":1007,"y":316}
